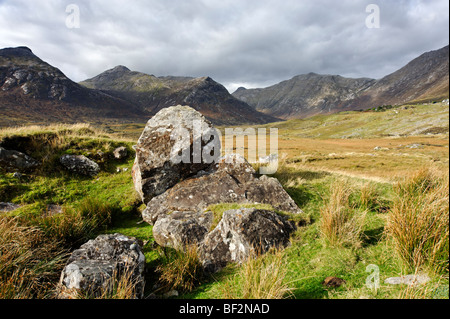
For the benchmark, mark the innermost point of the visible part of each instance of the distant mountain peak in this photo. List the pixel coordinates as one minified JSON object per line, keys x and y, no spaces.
{"x":120,"y":68}
{"x":18,"y":51}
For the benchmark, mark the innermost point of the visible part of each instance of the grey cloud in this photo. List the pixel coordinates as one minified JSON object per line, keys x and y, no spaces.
{"x":254,"y":43}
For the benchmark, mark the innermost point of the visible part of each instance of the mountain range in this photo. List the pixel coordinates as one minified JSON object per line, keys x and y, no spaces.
{"x":425,"y":78}
{"x":151,"y":94}
{"x":33,"y":91}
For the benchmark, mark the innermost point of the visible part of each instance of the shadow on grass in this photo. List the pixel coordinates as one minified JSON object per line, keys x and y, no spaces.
{"x":372,"y":236}
{"x":302,"y":195}
{"x":311,"y":289}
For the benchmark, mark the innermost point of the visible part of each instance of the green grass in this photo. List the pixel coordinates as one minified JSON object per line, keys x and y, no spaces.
{"x":107,"y":203}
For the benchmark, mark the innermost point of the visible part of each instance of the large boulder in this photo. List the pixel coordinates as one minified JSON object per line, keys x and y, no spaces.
{"x":11,"y":159}
{"x":242,"y":234}
{"x":180,"y":229}
{"x":176,"y":143}
{"x":91,"y":268}
{"x":80,"y":164}
{"x":231,"y":180}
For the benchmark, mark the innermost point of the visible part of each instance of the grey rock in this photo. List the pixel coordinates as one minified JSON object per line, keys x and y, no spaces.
{"x":8,"y":207}
{"x":180,"y":229}
{"x":409,"y":280}
{"x":242,"y":234}
{"x":11,"y":159}
{"x":232,"y":180}
{"x":91,"y":268}
{"x":120,"y":153}
{"x":80,"y":164}
{"x":161,"y":147}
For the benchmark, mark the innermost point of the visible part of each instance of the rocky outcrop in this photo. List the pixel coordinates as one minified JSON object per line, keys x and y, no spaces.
{"x":178,"y":193}
{"x":171,"y":148}
{"x":231,"y":180}
{"x":241,"y":234}
{"x":91,"y":269}
{"x":10,"y":159}
{"x":80,"y":164}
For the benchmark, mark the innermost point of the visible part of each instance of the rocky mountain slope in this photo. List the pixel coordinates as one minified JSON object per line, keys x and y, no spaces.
{"x":32,"y":90}
{"x":153,"y":93}
{"x":423,"y":79}
{"x":305,"y":95}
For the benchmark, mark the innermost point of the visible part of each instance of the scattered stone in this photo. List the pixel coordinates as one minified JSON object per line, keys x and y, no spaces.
{"x":120,"y":153}
{"x":333,"y":282}
{"x":165,"y":149}
{"x":54,"y":209}
{"x":241,"y":234}
{"x":80,"y":164}
{"x":415,"y":146}
{"x":91,"y":268}
{"x":17,"y":175}
{"x":8,"y":207}
{"x":10,"y":159}
{"x":232,"y":180}
{"x":410,"y":280}
{"x":180,"y":229}
{"x":170,"y":294}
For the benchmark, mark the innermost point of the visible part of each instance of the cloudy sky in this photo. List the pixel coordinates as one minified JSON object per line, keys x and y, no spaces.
{"x":251,"y":43}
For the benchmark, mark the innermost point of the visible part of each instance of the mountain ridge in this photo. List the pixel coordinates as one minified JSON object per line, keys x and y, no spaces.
{"x":153,"y":93}
{"x":422,"y":79}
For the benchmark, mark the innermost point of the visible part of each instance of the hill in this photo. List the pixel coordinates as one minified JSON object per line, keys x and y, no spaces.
{"x":423,"y":79}
{"x":153,"y":93}
{"x":34,"y":91}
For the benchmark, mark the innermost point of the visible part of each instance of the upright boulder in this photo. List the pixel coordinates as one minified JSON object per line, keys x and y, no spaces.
{"x":91,"y":268}
{"x":176,"y":143}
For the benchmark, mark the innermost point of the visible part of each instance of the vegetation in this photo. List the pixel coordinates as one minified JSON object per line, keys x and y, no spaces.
{"x":357,"y":212}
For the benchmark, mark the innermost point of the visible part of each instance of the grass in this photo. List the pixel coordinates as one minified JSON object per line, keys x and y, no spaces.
{"x":341,"y":224}
{"x":418,"y":222}
{"x":260,"y":277}
{"x":179,"y":270}
{"x":335,"y":178}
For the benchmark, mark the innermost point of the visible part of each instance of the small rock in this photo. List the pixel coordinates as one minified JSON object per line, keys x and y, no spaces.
{"x":80,"y":164}
{"x":170,"y":294}
{"x":8,"y":207}
{"x":120,"y":153}
{"x":333,"y":282}
{"x":16,"y":160}
{"x":409,"y":280}
{"x":17,"y":175}
{"x":415,"y":146}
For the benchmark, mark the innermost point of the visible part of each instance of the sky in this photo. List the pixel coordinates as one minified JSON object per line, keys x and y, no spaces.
{"x":250,"y":43}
